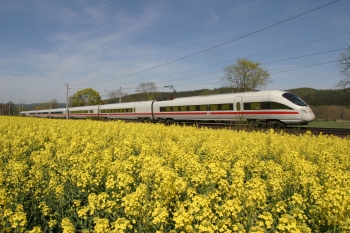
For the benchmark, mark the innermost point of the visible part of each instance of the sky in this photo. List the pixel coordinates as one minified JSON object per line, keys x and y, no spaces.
{"x":107,"y":45}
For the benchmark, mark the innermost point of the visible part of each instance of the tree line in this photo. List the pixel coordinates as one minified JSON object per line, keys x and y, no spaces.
{"x":9,"y":109}
{"x":331,"y":112}
{"x":313,"y":97}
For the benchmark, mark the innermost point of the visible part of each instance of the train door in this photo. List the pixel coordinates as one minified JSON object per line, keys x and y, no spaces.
{"x":238,"y":106}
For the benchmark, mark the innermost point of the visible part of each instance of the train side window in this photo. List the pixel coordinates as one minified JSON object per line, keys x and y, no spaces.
{"x":112,"y":110}
{"x":203,"y":107}
{"x":226,"y":107}
{"x":265,"y":106}
{"x":184,"y":108}
{"x":213,"y":107}
{"x":274,"y":105}
{"x":165,"y":109}
{"x":192,"y":108}
{"x":255,"y":106}
{"x":238,"y":106}
{"x":79,"y":112}
{"x":220,"y":107}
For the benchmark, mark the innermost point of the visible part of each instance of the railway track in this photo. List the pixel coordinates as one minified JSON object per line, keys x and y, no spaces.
{"x":343,"y":133}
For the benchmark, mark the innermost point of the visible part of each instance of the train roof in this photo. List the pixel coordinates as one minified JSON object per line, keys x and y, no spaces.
{"x":266,"y":92}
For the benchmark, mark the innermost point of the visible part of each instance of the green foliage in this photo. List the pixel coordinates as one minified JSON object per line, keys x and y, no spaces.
{"x":245,"y":75}
{"x":331,"y":112}
{"x":9,"y":109}
{"x":330,"y":124}
{"x":147,"y":90}
{"x":147,"y":87}
{"x":324,"y":97}
{"x":85,"y":97}
{"x":49,"y":105}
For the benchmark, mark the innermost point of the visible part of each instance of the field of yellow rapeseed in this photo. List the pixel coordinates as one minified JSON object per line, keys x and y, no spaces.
{"x":89,"y":176}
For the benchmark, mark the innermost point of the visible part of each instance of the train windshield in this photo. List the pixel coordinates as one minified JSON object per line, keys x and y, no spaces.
{"x":294,"y":99}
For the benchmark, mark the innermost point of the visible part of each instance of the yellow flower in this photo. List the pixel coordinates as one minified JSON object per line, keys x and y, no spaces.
{"x":268,"y":219}
{"x":44,"y":208}
{"x":101,"y":225}
{"x":36,"y":230}
{"x":67,"y":226}
{"x":121,"y":225}
{"x":117,"y":177}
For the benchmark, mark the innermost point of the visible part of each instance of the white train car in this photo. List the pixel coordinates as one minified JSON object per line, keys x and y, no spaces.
{"x":83,"y":112}
{"x":48,"y":113}
{"x":131,"y":111}
{"x":273,"y":107}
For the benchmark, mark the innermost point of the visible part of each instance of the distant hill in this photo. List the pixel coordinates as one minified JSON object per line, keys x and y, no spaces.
{"x":34,"y":105}
{"x":324,"y":97}
{"x":167,"y":95}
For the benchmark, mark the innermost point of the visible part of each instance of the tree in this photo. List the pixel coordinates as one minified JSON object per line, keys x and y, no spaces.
{"x":148,"y":87}
{"x":85,"y":97}
{"x":9,"y":109}
{"x":344,"y":64}
{"x":148,"y":90}
{"x":115,"y":94}
{"x":245,"y":75}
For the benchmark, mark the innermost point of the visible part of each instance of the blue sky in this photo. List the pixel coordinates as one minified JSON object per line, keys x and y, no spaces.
{"x":109,"y":44}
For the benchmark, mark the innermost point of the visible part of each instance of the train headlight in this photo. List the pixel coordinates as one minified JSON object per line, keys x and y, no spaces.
{"x":304,"y":111}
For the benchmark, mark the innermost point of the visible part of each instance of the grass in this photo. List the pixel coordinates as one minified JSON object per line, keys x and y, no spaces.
{"x":330,"y":124}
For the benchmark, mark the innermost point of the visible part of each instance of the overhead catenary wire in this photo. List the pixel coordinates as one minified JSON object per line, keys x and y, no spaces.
{"x":258,"y":55}
{"x":48,"y":95}
{"x":213,"y":47}
{"x":308,"y":55}
{"x":216,"y":46}
{"x":268,"y":62}
{"x":304,"y":67}
{"x":281,"y":70}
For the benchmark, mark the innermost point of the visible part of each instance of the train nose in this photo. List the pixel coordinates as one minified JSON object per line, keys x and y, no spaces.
{"x":308,"y":115}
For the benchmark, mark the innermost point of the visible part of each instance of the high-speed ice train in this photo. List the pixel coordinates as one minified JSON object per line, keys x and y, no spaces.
{"x":271,"y":107}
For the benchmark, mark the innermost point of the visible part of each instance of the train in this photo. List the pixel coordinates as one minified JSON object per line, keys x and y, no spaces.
{"x":268,"y":107}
